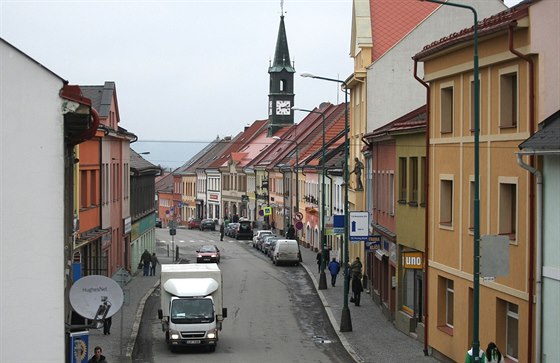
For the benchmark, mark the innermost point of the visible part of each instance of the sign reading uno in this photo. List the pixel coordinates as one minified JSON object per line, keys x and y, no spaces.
{"x":412,"y":260}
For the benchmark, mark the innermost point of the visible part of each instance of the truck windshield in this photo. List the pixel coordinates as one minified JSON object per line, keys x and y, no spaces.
{"x":192,"y":311}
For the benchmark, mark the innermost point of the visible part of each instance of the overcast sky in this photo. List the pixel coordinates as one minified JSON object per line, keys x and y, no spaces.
{"x":185,"y":69}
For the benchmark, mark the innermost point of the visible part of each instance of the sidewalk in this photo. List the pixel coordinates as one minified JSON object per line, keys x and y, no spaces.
{"x":118,"y":346}
{"x":373,"y":338}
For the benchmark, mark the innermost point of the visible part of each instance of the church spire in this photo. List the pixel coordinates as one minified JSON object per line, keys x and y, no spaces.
{"x":281,"y":89}
{"x":282,"y":53}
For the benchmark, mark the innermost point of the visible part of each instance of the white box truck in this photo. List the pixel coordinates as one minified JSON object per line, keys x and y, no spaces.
{"x":192,"y":309}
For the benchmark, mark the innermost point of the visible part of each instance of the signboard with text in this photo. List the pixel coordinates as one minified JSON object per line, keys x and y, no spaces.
{"x":359,"y":223}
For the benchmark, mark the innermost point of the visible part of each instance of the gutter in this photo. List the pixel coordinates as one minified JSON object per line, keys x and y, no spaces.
{"x":426,"y":212}
{"x":531,"y":213}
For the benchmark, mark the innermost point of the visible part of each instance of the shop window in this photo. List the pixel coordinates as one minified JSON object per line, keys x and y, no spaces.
{"x":512,"y":331}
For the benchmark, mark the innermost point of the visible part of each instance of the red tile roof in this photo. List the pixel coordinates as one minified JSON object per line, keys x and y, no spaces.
{"x":392,"y":20}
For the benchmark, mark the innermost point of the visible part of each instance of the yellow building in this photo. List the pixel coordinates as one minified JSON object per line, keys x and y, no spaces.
{"x":507,"y":117}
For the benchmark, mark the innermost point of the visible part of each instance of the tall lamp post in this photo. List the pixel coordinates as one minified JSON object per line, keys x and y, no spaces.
{"x":297,"y":174}
{"x":345,"y":321}
{"x":322,"y":275}
{"x":476,"y":244}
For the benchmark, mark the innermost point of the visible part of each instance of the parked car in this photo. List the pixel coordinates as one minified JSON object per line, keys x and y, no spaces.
{"x":286,"y":252}
{"x":207,"y":224}
{"x":244,"y":230}
{"x":208,"y":253}
{"x":258,"y":235}
{"x":158,"y":223}
{"x":260,"y":245}
{"x":230,"y":229}
{"x":269,"y":244}
{"x":193,"y":223}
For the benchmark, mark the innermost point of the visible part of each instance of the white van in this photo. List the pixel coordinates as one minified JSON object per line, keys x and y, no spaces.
{"x":286,"y":251}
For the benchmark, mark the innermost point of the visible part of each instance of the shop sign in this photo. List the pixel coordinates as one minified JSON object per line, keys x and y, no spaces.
{"x":412,"y":260}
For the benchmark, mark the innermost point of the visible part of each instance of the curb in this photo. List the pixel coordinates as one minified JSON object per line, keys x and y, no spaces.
{"x":357,"y":358}
{"x":137,"y":320}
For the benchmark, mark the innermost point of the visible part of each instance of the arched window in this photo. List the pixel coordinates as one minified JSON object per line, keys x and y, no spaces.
{"x":282,"y":85}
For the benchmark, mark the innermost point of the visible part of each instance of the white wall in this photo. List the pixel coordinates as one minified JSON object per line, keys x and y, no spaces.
{"x":32,"y":211}
{"x":392,"y":89}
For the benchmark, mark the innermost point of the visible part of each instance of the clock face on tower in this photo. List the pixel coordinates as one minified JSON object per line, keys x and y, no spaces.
{"x":283,"y":107}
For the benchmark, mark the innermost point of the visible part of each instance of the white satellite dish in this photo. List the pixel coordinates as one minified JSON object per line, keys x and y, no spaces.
{"x":96,"y":297}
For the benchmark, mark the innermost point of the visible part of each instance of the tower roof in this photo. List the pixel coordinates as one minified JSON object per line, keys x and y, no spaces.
{"x":282,"y":53}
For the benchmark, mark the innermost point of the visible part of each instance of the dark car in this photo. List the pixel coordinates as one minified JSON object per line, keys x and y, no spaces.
{"x":231,"y":229}
{"x":207,"y":224}
{"x":193,"y":223}
{"x":208,"y":253}
{"x":158,"y":223}
{"x":244,"y":230}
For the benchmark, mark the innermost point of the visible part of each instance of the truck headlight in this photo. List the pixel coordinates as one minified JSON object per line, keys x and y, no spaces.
{"x":211,"y":334}
{"x":174,"y":335}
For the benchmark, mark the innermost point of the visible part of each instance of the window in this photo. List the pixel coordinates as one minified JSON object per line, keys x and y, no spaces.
{"x":413,"y":181}
{"x":445,"y":305}
{"x":93,"y":188}
{"x":446,"y":202}
{"x":83,"y":189}
{"x":449,"y":297}
{"x":392,"y":193}
{"x":402,"y":180}
{"x":508,"y":100}
{"x":472,"y":104}
{"x":412,"y":293}
{"x":446,"y":97}
{"x":508,"y":210}
{"x":512,"y":331}
{"x":471,"y":205}
{"x":423,"y":180}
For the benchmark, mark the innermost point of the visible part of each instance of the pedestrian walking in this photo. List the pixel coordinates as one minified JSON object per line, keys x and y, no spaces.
{"x":146,"y":260}
{"x":153,"y":263}
{"x":97,"y":356}
{"x":334,"y":268}
{"x":319,"y":260}
{"x":222,"y":230}
{"x":493,"y":354}
{"x":357,"y":289}
{"x":469,"y":358}
{"x":107,"y":322}
{"x":356,"y":267}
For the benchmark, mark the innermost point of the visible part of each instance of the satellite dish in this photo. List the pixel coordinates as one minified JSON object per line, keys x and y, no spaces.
{"x":96,"y":297}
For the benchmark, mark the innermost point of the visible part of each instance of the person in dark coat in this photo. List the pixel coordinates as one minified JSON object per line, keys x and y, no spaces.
{"x":222,"y":230}
{"x":357,"y":289}
{"x":291,"y":234}
{"x":334,"y":268}
{"x":97,"y":356}
{"x":319,"y":260}
{"x":146,"y":259}
{"x":154,"y":262}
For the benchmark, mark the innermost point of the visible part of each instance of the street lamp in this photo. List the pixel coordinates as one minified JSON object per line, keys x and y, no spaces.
{"x":345,"y":321}
{"x":476,"y":227}
{"x":322,"y":275}
{"x":297,"y":175}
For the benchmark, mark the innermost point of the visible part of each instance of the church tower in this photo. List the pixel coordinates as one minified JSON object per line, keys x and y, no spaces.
{"x":281,"y":88}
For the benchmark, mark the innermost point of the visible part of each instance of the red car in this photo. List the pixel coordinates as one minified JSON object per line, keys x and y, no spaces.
{"x":208,"y":253}
{"x":193,"y":223}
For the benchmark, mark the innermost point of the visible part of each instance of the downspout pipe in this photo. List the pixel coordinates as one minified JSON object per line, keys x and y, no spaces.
{"x":531,"y":202}
{"x":538,"y":262}
{"x":426,"y":208}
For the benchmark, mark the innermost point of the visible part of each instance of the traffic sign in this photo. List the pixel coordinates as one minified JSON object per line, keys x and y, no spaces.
{"x":359,"y":224}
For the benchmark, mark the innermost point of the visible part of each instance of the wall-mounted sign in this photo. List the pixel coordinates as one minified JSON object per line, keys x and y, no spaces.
{"x":412,"y":260}
{"x":267,"y":211}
